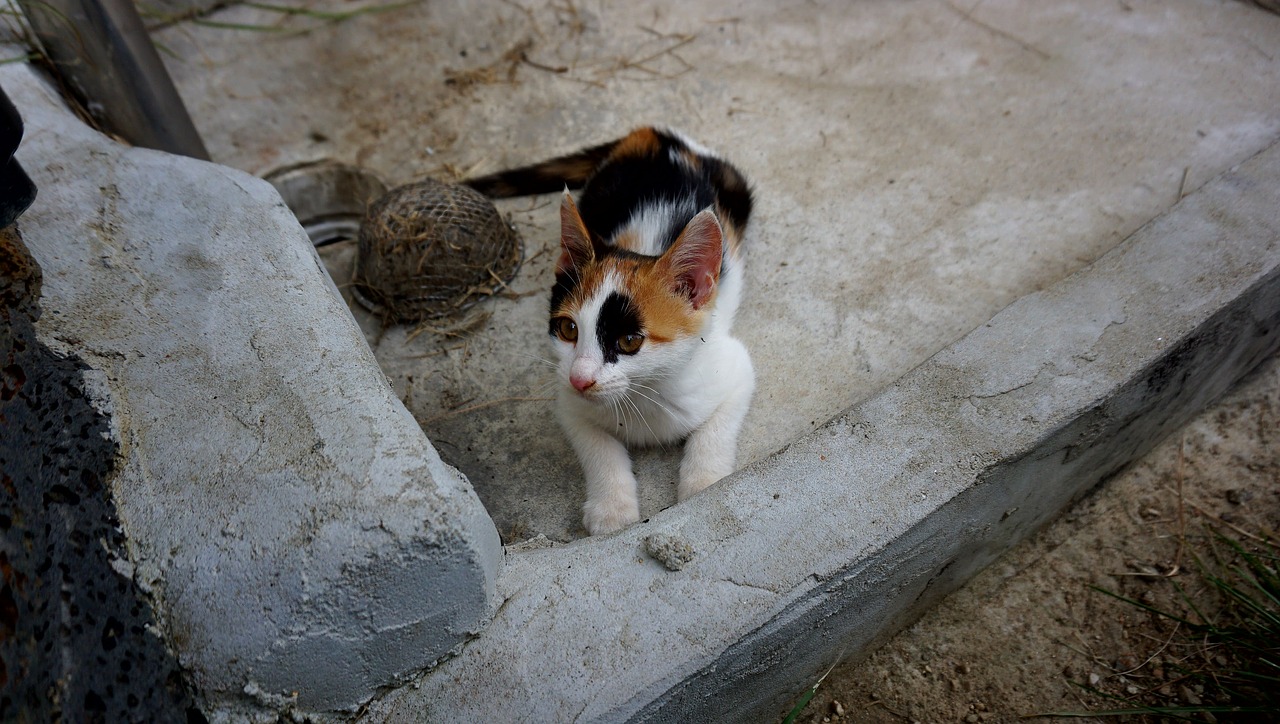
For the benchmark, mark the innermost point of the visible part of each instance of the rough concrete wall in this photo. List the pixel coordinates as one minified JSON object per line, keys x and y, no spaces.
{"x":79,"y":641}
{"x":299,"y":537}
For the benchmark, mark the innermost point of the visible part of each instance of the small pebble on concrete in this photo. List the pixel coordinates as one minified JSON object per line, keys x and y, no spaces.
{"x":671,"y":551}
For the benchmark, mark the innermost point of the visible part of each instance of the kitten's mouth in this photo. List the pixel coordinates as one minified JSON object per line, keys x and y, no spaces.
{"x":596,"y":393}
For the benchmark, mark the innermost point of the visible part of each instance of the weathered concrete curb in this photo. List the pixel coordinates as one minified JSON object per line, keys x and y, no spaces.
{"x":300,"y":539}
{"x":832,"y":544}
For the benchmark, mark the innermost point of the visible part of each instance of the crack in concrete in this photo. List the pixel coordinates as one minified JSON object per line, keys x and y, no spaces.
{"x":752,"y":586}
{"x":1015,"y":388}
{"x":253,"y":344}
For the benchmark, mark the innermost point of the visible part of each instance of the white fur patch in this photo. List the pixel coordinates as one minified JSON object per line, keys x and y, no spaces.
{"x":651,"y":223}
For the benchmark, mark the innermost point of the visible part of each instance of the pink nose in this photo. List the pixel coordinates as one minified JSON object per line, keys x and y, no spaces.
{"x":581,"y":383}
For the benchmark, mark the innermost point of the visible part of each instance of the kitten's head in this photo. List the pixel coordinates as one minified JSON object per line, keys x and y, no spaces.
{"x":618,"y":318}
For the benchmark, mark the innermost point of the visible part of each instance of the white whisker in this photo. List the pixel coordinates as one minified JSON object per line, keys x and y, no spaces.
{"x":548,"y":388}
{"x":651,"y":399}
{"x":640,"y":414}
{"x":537,"y":358}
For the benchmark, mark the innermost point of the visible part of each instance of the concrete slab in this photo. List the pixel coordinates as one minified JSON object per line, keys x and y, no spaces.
{"x":300,"y":540}
{"x":815,"y":553}
{"x":919,"y":167}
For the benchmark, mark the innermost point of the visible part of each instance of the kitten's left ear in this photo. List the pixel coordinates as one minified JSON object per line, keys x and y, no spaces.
{"x":576,"y":250}
{"x":693,"y":262}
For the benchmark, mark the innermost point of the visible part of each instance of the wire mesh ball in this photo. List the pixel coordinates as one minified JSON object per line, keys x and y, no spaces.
{"x":430,"y":249}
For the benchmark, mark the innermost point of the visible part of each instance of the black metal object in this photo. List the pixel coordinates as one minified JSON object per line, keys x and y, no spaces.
{"x":103,"y":53}
{"x":16,"y":189}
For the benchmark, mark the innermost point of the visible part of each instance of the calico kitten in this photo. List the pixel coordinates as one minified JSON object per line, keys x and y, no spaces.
{"x":647,"y":284}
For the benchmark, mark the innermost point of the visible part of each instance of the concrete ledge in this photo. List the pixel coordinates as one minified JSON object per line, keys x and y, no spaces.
{"x":300,"y":539}
{"x":832,"y":544}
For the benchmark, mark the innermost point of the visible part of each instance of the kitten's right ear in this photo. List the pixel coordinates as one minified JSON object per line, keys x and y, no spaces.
{"x":575,"y":241}
{"x":693,"y":261}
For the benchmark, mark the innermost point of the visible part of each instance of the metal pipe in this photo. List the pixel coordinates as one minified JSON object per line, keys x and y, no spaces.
{"x":105,"y":56}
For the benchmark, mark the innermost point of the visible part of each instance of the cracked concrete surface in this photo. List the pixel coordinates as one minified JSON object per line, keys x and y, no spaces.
{"x":919,"y":165}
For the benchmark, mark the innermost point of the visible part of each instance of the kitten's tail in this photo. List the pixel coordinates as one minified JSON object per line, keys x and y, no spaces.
{"x":570,"y":171}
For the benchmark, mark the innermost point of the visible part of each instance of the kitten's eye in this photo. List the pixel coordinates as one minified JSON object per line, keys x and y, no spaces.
{"x":566,"y":329}
{"x":630,"y":343}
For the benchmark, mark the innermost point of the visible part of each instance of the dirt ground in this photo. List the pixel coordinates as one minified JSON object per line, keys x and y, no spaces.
{"x":1029,"y":635}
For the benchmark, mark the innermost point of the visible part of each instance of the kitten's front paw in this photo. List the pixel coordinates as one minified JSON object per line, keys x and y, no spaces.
{"x":607,"y":516}
{"x":696,"y":482}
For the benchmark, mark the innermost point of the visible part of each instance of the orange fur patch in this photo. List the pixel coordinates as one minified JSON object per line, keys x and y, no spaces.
{"x":665,"y":314}
{"x":628,"y":240}
{"x":576,"y":169}
{"x":588,"y":282}
{"x":638,"y":144}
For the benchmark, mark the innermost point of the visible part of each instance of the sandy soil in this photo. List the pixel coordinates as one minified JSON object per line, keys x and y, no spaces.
{"x":1029,"y":636}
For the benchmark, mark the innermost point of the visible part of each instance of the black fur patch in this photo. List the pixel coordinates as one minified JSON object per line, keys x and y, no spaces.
{"x":618,"y":317}
{"x":625,"y":184}
{"x":570,"y":171}
{"x":614,"y":189}
{"x":733,"y":192}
